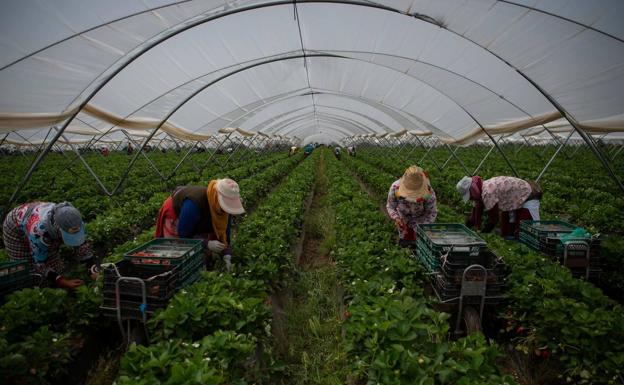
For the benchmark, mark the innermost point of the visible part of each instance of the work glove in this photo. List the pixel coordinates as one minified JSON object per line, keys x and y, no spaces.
{"x":228,"y":262}
{"x":469,"y":223}
{"x":69,"y":284}
{"x":215,"y":246}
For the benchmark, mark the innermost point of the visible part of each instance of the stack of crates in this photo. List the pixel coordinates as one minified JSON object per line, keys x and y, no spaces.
{"x":165,"y":265}
{"x":546,"y":236}
{"x":447,"y":249}
{"x":14,"y":275}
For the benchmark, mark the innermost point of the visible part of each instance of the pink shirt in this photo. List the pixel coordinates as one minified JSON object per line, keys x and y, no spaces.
{"x":506,"y":191}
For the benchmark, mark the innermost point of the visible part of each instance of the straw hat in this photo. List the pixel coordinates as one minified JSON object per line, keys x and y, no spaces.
{"x":414,"y":184}
{"x":228,"y":194}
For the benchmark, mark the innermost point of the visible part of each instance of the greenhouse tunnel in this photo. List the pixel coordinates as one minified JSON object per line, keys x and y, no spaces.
{"x":525,"y":88}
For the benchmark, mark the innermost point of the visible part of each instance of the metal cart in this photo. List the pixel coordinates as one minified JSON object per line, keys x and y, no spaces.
{"x":146,"y":280}
{"x":464,"y":275}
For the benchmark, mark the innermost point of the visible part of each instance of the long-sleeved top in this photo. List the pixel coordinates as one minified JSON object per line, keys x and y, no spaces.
{"x":29,"y":234}
{"x":506,"y":191}
{"x":190,"y":218}
{"x":411,"y":213}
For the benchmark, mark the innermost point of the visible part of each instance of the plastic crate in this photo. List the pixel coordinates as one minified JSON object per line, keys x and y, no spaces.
{"x":14,"y":275}
{"x":543,"y":229}
{"x":455,"y":241}
{"x":545,"y":236}
{"x":495,"y":267}
{"x":160,"y":285}
{"x":448,"y":291}
{"x":165,"y":251}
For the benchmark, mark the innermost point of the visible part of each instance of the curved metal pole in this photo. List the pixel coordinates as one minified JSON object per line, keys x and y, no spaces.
{"x":191,"y":96}
{"x":200,"y":21}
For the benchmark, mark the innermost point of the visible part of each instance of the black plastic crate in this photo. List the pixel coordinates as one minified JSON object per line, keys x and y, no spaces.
{"x":14,"y":275}
{"x":448,"y":292}
{"x":160,"y":281}
{"x":495,"y":267}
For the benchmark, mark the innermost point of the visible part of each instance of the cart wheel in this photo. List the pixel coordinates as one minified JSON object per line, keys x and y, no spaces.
{"x":471,"y":320}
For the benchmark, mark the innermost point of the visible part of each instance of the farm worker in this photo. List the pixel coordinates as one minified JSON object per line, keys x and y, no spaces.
{"x":512,"y":199}
{"x":200,"y":212}
{"x":337,"y":152}
{"x":36,"y":230}
{"x":351,"y":150}
{"x":411,"y":201}
{"x":307,"y":150}
{"x":105,"y":151}
{"x":292,"y":151}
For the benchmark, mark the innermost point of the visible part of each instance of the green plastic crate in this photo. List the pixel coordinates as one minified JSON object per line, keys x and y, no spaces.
{"x":543,"y":229}
{"x":165,"y":251}
{"x":457,"y":242}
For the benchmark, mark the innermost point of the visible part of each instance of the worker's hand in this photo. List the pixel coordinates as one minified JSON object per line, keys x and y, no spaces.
{"x":94,"y":272}
{"x":228,"y":262}
{"x":400,"y":224}
{"x":215,"y":246}
{"x":69,"y":284}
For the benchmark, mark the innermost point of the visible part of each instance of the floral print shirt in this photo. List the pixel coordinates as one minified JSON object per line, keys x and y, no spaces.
{"x":506,"y":191}
{"x":412,"y":213}
{"x":43,"y":239}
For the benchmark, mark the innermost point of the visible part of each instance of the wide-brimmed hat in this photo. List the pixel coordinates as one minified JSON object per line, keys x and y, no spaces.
{"x":414,"y":184}
{"x":463,"y":187}
{"x":228,"y":194}
{"x":69,"y":221}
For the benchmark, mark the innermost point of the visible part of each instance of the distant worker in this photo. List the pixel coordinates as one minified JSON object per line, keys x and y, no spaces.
{"x":337,"y":152}
{"x":511,"y":199}
{"x":204,"y":213}
{"x":35,"y":231}
{"x":292,"y":151}
{"x":129,"y":149}
{"x":351,"y":150}
{"x":105,"y":151}
{"x":307,"y":150}
{"x":411,"y":201}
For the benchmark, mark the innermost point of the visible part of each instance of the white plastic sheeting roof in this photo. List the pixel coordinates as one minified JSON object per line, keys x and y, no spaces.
{"x":450,"y":67}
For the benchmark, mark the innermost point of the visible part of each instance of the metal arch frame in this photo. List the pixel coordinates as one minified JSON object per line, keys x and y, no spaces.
{"x":147,"y":46}
{"x":286,"y":129}
{"x":284,"y":118}
{"x":361,"y":126}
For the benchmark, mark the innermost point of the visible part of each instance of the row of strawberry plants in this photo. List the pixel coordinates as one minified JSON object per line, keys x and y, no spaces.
{"x":255,"y":181}
{"x":55,"y":181}
{"x":83,"y":308}
{"x":555,"y":205}
{"x":393,"y":334}
{"x":212,"y":328}
{"x":566,"y":317}
{"x":118,"y":223}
